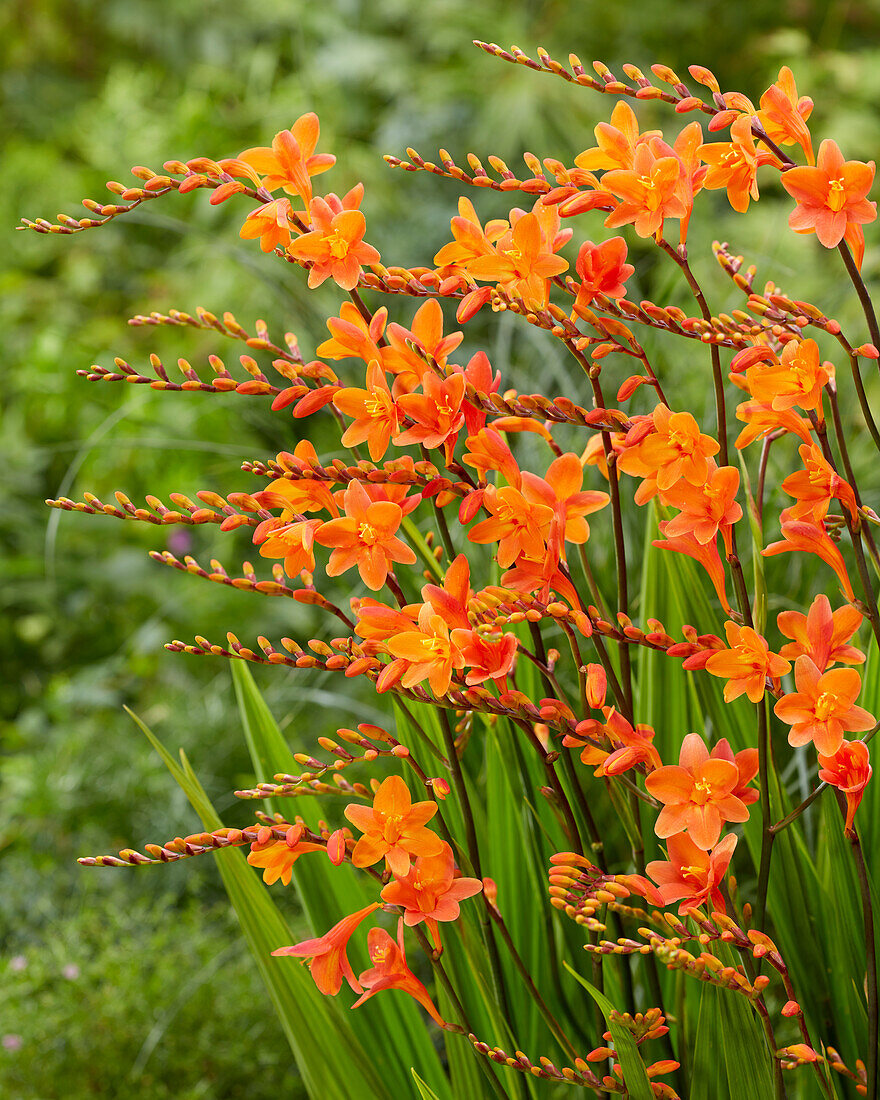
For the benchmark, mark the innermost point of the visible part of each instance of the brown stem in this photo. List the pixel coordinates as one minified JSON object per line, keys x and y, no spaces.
{"x":862,"y":291}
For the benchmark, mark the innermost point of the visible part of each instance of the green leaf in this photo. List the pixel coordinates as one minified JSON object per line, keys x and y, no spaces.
{"x":634,"y":1074}
{"x":327,"y":1052}
{"x":327,"y":893}
{"x":425,"y":1091}
{"x":730,"y":1053}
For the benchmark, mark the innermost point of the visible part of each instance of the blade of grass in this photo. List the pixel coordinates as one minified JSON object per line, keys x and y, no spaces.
{"x":328,"y":892}
{"x":327,"y":1052}
{"x":634,"y":1075}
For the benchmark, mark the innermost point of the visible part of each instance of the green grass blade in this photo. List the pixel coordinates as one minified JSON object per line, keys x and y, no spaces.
{"x":333,"y":1064}
{"x":327,"y":893}
{"x":634,"y":1074}
{"x":425,"y":1091}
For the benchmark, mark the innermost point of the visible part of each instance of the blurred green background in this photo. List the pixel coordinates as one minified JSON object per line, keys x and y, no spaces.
{"x":121,"y":984}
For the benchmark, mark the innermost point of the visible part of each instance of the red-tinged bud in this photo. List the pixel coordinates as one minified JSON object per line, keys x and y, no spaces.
{"x":801,"y":1051}
{"x":472,"y":303}
{"x":360,"y":665}
{"x":665,"y":1066}
{"x":689,"y":103}
{"x":292,"y":836}
{"x":559,"y":194}
{"x":791,"y":1008}
{"x":490,"y":891}
{"x":599,"y":351}
{"x":630,"y":385}
{"x":440,"y":787}
{"x":336,"y":847}
{"x":469,"y":506}
{"x":705,"y":77}
{"x":586,"y":200}
{"x":748,"y":357}
{"x":314,"y":400}
{"x":722,"y":119}
{"x":288,"y":396}
{"x":600,"y":1054}
{"x":264,"y":835}
{"x":226,"y":191}
{"x":597,"y":686}
{"x":868,"y":351}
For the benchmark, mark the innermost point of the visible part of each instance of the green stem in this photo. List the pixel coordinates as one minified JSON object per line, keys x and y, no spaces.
{"x":443,"y":977}
{"x":870,"y":955}
{"x":767,"y":834}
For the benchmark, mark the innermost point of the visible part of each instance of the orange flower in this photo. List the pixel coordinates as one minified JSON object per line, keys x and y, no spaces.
{"x":374,"y":411}
{"x":294,"y":542}
{"x":352,"y":337}
{"x":706,"y":553}
{"x":291,"y":161}
{"x":816,"y":486}
{"x":430,"y":891}
{"x":761,"y":419}
{"x":847,"y":769}
{"x":327,"y":956}
{"x":436,"y":415}
{"x":428,"y":653}
{"x":831,"y":198}
{"x":365,"y":538}
{"x":270,"y":222}
{"x":426,"y":332}
{"x":471,"y":240}
{"x":277,"y":857}
{"x":691,"y":875}
{"x":706,"y":509}
{"x":648,"y":191}
{"x":823,"y":707}
{"x":389,"y":971}
{"x":691,"y":174}
{"x":335,"y":247}
{"x":617,"y":141}
{"x":746,"y":664}
{"x":675,"y":449}
{"x":561,"y":490}
{"x":812,"y":538}
{"x":631,"y":746}
{"x":734,"y":165}
{"x":821,"y":634}
{"x":517,"y":525}
{"x":487,"y":450}
{"x":783,"y":115}
{"x":393,"y":827}
{"x":796,"y":378}
{"x":523,"y":259}
{"x":697,"y":794}
{"x":603,"y":270}
{"x":746,"y":761}
{"x":488,"y":657}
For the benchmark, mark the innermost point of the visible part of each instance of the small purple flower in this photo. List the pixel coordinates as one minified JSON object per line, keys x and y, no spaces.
{"x":11,"y":1042}
{"x":17,"y":963}
{"x":71,"y":972}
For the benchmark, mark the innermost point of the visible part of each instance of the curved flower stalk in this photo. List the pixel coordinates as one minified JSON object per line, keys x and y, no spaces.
{"x":464,"y":583}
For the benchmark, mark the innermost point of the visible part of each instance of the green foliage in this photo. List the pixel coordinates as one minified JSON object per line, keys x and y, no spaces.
{"x":142,"y":999}
{"x":89,"y":88}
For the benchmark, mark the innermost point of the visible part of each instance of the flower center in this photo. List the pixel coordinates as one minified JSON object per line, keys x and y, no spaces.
{"x":367,"y":534}
{"x":836,"y":195}
{"x":826,"y":705}
{"x":337,"y":245}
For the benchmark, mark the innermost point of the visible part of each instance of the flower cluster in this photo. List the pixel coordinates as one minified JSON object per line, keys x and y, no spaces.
{"x":465,"y":543}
